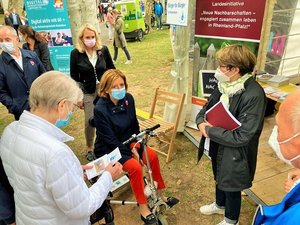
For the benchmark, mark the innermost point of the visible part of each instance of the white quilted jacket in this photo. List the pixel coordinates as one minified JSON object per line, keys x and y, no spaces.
{"x":46,"y":175}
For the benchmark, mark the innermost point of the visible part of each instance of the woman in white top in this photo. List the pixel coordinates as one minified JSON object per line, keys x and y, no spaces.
{"x":46,"y":176}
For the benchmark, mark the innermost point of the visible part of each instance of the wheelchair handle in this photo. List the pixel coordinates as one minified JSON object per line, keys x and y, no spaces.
{"x":142,"y":133}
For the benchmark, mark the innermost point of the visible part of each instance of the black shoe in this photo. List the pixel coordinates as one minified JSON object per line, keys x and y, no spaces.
{"x":171,"y":201}
{"x":150,"y":219}
{"x":90,"y":156}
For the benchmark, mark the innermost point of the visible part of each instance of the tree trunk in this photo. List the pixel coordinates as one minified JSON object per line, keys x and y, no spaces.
{"x":81,"y":12}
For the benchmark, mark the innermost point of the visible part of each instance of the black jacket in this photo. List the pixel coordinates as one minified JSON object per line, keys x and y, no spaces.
{"x":42,"y":51}
{"x":7,"y":21}
{"x":83,"y":71}
{"x":234,"y":153}
{"x":18,"y":19}
{"x":114,"y":125}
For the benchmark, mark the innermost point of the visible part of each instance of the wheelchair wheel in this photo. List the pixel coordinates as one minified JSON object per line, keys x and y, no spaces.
{"x":161,"y":220}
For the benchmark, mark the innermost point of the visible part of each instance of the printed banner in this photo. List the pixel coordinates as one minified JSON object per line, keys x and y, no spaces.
{"x":51,"y":18}
{"x":177,"y":12}
{"x":221,"y":23}
{"x":230,"y":19}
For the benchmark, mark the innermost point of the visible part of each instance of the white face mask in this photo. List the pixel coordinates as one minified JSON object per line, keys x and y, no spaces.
{"x":90,"y":43}
{"x":275,"y":145}
{"x":221,"y":76}
{"x":7,"y":47}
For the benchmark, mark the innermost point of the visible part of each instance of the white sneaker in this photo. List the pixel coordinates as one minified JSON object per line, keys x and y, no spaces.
{"x":157,"y":28}
{"x":161,"y":28}
{"x":128,"y":62}
{"x":211,"y":209}
{"x":223,"y":222}
{"x":114,"y":62}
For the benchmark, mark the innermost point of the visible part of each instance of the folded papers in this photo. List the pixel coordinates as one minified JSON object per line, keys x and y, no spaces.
{"x":220,"y":116}
{"x":100,"y":163}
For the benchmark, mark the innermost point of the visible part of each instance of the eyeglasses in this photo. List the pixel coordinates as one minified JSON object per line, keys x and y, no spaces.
{"x":76,"y":107}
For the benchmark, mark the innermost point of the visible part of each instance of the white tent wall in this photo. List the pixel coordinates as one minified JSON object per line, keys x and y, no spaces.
{"x":290,"y":64}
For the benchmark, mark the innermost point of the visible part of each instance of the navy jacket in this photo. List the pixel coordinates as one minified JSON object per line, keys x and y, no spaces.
{"x":83,"y":71}
{"x":114,"y":125}
{"x":7,"y":204}
{"x":42,"y":51}
{"x":15,"y":82}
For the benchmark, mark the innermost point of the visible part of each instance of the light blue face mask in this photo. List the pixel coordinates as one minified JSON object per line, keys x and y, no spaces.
{"x":61,"y":123}
{"x":118,"y":94}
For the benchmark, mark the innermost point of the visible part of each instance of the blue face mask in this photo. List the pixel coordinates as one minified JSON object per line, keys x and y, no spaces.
{"x":118,"y":94}
{"x":61,"y":123}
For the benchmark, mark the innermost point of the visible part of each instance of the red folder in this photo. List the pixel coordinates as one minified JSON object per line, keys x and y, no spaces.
{"x":220,"y":116}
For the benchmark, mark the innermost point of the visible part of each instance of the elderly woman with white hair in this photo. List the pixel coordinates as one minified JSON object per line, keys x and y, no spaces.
{"x":46,"y":176}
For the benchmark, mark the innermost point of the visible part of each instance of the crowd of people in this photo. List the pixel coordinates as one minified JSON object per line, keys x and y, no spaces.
{"x":42,"y":103}
{"x":50,"y":187}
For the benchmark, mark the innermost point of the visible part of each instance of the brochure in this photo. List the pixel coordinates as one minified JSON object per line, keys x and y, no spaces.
{"x":100,"y":163}
{"x":220,"y":116}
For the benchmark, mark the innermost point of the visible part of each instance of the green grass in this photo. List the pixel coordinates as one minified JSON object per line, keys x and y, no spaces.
{"x":152,"y":59}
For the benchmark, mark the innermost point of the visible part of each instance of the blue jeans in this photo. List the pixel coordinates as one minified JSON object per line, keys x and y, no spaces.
{"x":232,"y":203}
{"x":158,"y":21}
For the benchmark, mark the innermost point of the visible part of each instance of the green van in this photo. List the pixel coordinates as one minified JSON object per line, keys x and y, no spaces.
{"x":134,"y":24}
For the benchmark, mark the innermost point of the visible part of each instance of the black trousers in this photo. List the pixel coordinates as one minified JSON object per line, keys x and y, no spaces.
{"x":232,"y":203}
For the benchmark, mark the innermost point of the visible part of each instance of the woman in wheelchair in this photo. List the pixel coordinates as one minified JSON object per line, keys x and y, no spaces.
{"x":115,"y":121}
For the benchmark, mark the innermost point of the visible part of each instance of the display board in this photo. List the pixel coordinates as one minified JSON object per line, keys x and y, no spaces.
{"x":208,"y":82}
{"x":52,"y":18}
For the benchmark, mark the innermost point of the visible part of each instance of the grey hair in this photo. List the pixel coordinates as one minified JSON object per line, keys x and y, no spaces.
{"x":11,"y":29}
{"x":52,"y":87}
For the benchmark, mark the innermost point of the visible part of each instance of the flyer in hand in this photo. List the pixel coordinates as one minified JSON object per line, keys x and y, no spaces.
{"x":100,"y":163}
{"x":220,"y":116}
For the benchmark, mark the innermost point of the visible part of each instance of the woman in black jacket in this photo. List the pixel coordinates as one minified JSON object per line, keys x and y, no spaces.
{"x":89,"y":60}
{"x":233,"y":152}
{"x":37,"y":43}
